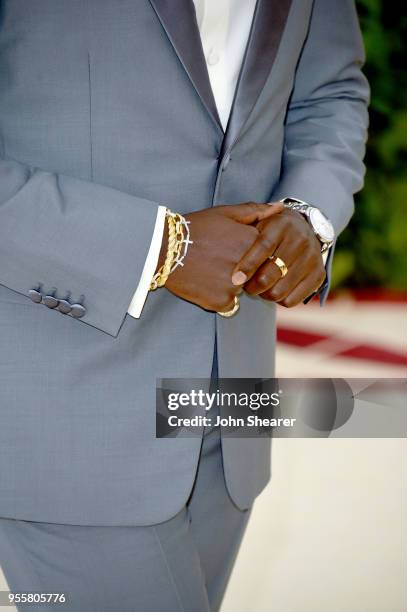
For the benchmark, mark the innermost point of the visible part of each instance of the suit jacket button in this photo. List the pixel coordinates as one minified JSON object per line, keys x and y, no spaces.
{"x":64,"y":307}
{"x":50,"y":301}
{"x":78,"y":311}
{"x":35,"y":296}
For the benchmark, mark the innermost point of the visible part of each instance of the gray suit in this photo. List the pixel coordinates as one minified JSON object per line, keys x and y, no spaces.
{"x":106,"y":112}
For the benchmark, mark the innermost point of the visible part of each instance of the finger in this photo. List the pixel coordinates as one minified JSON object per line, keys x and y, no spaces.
{"x":250,"y":212}
{"x":273,"y":241}
{"x":297,"y":271}
{"x":269,"y":273}
{"x":284,"y":286}
{"x":264,"y":246}
{"x":305,"y":288}
{"x":266,"y":276}
{"x":307,"y":267}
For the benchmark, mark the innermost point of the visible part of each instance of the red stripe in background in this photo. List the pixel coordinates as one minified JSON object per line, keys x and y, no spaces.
{"x":366,"y":352}
{"x":374,"y":353}
{"x":298,"y":337}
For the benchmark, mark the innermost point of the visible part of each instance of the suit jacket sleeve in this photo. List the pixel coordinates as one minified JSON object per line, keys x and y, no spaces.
{"x":326,"y":123}
{"x":81,"y":238}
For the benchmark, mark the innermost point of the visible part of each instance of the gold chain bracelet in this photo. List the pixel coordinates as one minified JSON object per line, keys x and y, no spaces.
{"x":176,"y":243}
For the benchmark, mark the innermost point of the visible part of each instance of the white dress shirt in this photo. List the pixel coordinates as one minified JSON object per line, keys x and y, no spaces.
{"x":224,"y":26}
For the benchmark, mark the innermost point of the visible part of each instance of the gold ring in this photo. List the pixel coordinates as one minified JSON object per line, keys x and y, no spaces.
{"x":280,"y":264}
{"x":230,"y":313}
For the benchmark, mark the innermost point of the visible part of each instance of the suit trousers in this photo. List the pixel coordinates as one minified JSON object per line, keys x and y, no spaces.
{"x":181,"y":565}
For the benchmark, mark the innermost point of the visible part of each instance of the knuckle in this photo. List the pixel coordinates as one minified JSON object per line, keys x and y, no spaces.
{"x":251,"y":232}
{"x":252,"y":262}
{"x":267,"y":242}
{"x":262,"y":280}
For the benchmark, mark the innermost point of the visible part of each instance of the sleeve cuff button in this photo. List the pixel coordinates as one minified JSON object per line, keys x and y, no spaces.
{"x":78,"y":311}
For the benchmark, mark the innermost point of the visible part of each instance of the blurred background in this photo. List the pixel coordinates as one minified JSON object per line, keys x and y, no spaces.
{"x":372,"y":252}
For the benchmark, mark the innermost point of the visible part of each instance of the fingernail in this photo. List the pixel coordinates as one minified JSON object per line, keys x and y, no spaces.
{"x":239,"y":278}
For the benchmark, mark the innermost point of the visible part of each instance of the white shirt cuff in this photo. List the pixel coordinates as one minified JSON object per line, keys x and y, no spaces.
{"x":140,"y":296}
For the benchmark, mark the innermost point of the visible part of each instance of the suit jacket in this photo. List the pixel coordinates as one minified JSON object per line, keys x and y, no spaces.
{"x":106,"y":111}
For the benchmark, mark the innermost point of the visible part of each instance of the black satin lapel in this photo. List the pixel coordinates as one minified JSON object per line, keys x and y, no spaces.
{"x":268,"y":25}
{"x":178,"y":19}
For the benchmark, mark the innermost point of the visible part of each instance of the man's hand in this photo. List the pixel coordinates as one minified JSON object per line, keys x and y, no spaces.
{"x":221,"y":235}
{"x":289,"y":237}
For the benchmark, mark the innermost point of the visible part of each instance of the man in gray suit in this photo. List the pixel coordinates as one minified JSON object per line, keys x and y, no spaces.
{"x":112,"y":114}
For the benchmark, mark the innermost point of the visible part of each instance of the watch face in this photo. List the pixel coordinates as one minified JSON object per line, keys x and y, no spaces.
{"x":322,"y":226}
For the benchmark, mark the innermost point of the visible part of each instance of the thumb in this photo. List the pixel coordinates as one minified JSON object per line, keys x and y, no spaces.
{"x":249,"y":212}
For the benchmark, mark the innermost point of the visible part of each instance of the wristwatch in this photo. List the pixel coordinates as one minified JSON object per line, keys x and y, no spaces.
{"x":321,"y":225}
